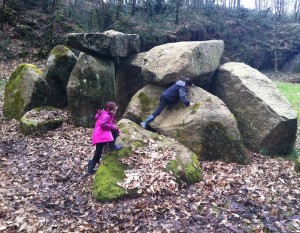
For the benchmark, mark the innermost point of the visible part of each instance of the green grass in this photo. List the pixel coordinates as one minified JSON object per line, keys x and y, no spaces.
{"x":292,"y":92}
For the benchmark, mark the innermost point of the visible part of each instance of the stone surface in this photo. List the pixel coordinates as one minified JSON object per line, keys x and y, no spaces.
{"x":129,"y":80}
{"x":109,"y":43}
{"x":208,"y":128}
{"x":91,"y":85}
{"x":185,"y":166}
{"x":167,"y":63}
{"x":266,"y":119}
{"x":25,"y":90}
{"x":41,"y":120}
{"x":60,"y":64}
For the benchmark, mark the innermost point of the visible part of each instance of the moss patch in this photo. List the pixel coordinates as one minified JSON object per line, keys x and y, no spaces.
{"x":219,"y":145}
{"x":27,"y":126}
{"x":13,"y":106}
{"x":189,"y":172}
{"x":111,"y":171}
{"x":59,"y":51}
{"x":145,"y":102}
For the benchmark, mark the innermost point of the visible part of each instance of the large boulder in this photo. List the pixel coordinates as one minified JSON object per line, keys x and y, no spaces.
{"x":25,"y":90}
{"x":129,"y":80}
{"x":266,"y":119}
{"x":60,"y":64}
{"x":41,"y":120}
{"x":208,"y":128}
{"x":91,"y":84}
{"x":184,"y":165}
{"x":166,"y":63}
{"x":109,"y":43}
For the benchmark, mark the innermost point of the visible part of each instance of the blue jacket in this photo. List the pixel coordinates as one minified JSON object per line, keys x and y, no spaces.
{"x":175,"y":92}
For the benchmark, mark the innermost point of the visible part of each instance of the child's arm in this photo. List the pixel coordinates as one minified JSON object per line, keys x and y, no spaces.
{"x":183,"y":97}
{"x":106,"y":123}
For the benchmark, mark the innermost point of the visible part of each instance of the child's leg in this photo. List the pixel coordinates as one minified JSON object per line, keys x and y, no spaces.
{"x":112,"y":145}
{"x":98,"y":152}
{"x":96,"y":158}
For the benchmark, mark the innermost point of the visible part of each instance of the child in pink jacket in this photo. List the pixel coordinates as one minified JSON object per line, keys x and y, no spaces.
{"x":105,"y":131}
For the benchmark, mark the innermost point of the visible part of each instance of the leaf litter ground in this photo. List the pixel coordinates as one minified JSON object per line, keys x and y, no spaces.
{"x":44,"y":188}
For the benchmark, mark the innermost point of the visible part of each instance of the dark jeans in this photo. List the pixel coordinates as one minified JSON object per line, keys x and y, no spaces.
{"x":100,"y":147}
{"x":162,"y":104}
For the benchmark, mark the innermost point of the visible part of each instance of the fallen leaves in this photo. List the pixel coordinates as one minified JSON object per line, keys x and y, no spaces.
{"x":149,"y":175}
{"x":44,"y":187}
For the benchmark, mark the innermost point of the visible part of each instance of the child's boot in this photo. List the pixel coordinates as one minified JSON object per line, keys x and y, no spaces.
{"x":114,"y":146}
{"x":147,"y":121}
{"x":91,"y":165}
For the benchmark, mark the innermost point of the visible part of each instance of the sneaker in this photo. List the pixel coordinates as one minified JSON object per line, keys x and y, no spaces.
{"x":144,"y":125}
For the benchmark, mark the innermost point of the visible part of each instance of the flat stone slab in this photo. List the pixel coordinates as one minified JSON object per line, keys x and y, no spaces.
{"x":110,"y":43}
{"x":41,"y":120}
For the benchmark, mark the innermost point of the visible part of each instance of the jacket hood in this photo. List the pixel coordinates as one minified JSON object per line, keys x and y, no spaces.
{"x":180,"y":83}
{"x":101,"y":112}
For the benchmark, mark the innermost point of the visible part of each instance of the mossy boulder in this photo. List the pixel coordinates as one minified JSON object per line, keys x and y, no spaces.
{"x":60,"y":64}
{"x":266,"y":120}
{"x":91,"y":85}
{"x":25,"y":90}
{"x":41,"y":120}
{"x":185,"y":166}
{"x":208,"y":128}
{"x":297,"y":165}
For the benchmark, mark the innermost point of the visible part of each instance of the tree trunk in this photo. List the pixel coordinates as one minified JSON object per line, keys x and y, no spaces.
{"x":177,"y":12}
{"x":2,"y":14}
{"x":133,"y":7}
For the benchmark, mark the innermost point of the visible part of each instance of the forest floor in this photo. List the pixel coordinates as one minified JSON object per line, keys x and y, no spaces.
{"x":44,"y":188}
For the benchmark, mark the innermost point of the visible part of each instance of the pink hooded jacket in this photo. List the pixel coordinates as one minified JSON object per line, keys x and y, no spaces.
{"x":103,"y":127}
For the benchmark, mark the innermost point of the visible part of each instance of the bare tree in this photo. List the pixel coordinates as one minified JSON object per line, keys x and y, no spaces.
{"x":296,"y":10}
{"x":2,"y":13}
{"x":279,"y":6}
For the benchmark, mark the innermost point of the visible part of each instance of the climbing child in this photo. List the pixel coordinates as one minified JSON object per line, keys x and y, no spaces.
{"x":105,"y":131}
{"x":170,"y":96}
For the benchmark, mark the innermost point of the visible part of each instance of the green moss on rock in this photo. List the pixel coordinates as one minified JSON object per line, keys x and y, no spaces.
{"x":189,"y":172}
{"x":111,"y":171}
{"x":219,"y":145}
{"x":60,"y":51}
{"x":14,"y":102}
{"x":145,"y":102}
{"x":29,"y":126}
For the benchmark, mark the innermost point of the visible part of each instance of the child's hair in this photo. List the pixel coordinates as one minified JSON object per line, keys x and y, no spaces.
{"x":188,"y":81}
{"x":110,"y":106}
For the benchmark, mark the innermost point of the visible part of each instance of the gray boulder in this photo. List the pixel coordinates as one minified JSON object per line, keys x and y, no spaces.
{"x":166,"y":63}
{"x":184,"y":165}
{"x":60,"y":64}
{"x":41,"y":120}
{"x":208,"y":128}
{"x":266,"y":119}
{"x":25,"y":90}
{"x":110,"y":43}
{"x":129,"y":80}
{"x":91,"y":84}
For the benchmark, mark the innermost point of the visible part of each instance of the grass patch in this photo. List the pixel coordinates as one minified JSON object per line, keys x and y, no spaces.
{"x":292,"y":92}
